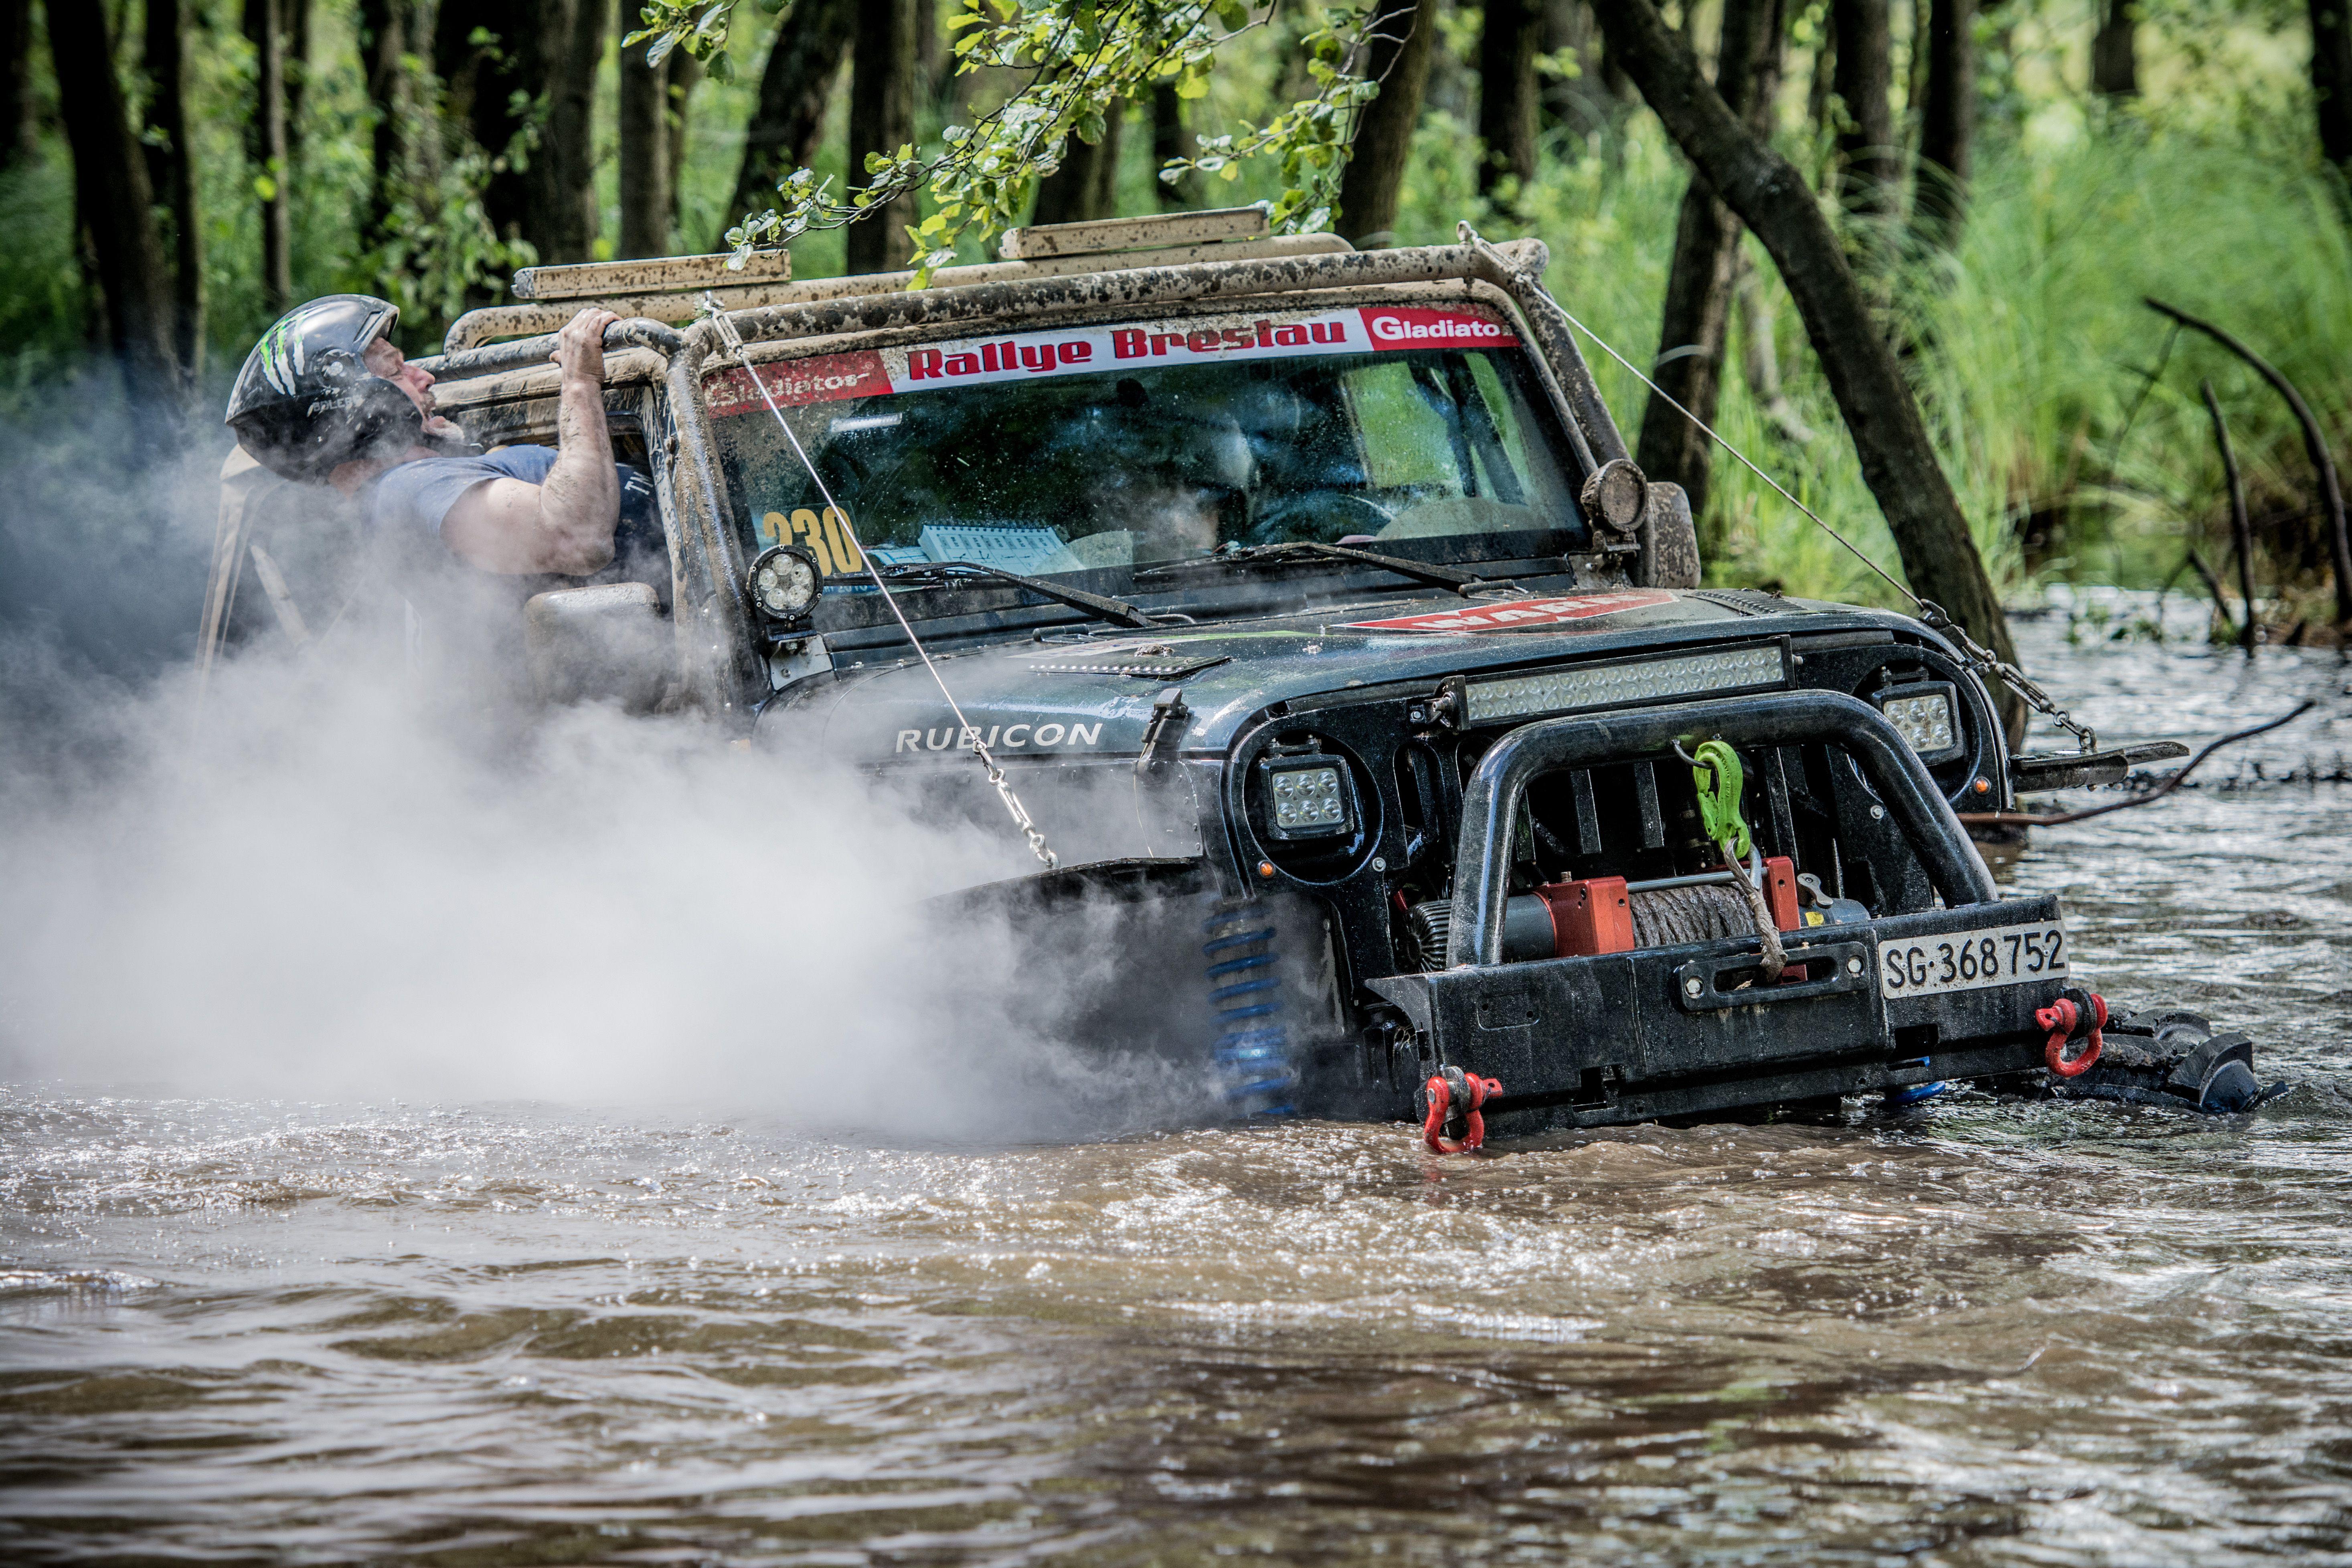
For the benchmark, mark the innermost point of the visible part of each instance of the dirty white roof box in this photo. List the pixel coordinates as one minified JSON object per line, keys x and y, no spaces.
{"x":1155,"y":231}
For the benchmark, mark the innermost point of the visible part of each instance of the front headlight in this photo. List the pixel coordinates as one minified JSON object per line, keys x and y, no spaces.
{"x":1308,"y":797}
{"x":1927,"y":719}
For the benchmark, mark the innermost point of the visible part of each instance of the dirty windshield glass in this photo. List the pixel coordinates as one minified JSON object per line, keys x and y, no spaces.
{"x":1062,"y":451}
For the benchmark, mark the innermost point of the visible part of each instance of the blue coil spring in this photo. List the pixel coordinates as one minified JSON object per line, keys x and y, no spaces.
{"x":1255,"y":1071}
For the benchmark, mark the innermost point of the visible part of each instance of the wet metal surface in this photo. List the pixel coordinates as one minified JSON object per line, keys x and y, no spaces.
{"x":1973,"y":1333}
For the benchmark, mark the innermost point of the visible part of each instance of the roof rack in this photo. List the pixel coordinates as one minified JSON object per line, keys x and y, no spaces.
{"x":1156,"y":231}
{"x":661,"y":288}
{"x":671,"y":290}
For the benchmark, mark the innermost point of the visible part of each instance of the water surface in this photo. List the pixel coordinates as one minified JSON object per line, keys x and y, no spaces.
{"x":1972,"y":1332}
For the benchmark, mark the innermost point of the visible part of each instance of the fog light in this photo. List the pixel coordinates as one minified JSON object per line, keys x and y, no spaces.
{"x":1308,"y":797}
{"x":1925,"y":719}
{"x":784,"y":581}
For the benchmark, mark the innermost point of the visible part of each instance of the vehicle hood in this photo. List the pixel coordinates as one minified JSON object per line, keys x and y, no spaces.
{"x":1093,"y":695}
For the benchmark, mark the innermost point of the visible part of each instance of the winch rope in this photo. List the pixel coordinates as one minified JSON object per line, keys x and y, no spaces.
{"x":733,"y":341}
{"x":1971,"y":652}
{"x":1718,"y":777}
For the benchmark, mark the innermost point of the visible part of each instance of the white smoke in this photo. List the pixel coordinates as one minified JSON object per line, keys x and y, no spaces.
{"x":327,"y":881}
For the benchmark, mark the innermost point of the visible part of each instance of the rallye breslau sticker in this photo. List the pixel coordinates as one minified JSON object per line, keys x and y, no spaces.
{"x":1016,"y":356}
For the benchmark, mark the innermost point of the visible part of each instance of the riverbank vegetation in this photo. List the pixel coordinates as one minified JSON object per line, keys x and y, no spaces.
{"x":2166,"y":148}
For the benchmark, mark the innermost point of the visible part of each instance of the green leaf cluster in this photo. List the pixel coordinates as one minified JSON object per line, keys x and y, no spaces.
{"x":1081,"y":62}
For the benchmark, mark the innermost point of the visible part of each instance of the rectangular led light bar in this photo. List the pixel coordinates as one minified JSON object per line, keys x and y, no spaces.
{"x":1565,"y":690}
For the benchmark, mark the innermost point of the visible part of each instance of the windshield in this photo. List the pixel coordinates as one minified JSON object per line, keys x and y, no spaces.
{"x":1118,"y":446}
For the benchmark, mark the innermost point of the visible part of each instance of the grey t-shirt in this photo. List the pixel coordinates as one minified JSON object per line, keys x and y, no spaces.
{"x":414,"y":497}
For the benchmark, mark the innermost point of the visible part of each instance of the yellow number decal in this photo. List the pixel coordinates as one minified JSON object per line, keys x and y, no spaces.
{"x":771,"y":530}
{"x":845,"y":547}
{"x":808,"y":531}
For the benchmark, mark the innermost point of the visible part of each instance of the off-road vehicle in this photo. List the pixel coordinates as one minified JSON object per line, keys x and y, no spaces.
{"x":1361,"y":700}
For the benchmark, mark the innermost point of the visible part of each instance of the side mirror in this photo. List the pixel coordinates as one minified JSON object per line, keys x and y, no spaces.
{"x":608,"y":642}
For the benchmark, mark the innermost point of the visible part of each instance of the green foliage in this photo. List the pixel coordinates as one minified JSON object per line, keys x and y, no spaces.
{"x":1079,"y":61}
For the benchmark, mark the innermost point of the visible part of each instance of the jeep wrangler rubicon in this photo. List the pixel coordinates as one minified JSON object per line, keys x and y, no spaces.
{"x":1363,"y":696}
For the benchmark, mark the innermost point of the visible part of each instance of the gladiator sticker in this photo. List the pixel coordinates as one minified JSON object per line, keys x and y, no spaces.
{"x":828,"y":378}
{"x":1524,"y":614}
{"x":1395,"y":327}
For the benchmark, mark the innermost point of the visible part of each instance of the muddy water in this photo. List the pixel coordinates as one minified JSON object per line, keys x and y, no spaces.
{"x":1969,"y":1333}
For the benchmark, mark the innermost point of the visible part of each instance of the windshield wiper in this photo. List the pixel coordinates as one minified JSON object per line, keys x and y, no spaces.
{"x":1117,"y":611}
{"x":1420,"y":571}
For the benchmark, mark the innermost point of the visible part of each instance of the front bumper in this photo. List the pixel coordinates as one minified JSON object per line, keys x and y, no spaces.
{"x":1693,"y":1030}
{"x":1620,"y":1038}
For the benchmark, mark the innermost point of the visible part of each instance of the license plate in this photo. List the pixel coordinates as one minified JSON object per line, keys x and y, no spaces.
{"x":1969,"y":960}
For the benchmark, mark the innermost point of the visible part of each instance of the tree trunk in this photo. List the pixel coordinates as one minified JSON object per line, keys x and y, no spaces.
{"x":2114,"y":49}
{"x":1086,"y":184}
{"x":16,"y":129}
{"x":543,"y":56}
{"x":264,"y":22}
{"x":1169,"y":140}
{"x":685,"y":76}
{"x":116,"y":207}
{"x":645,"y":155}
{"x":881,"y":119}
{"x":1821,"y":89}
{"x":1403,"y":35}
{"x":1577,"y":104}
{"x":1948,"y":119}
{"x":2331,"y":80}
{"x":172,"y":179}
{"x":384,"y":43}
{"x":795,"y":86}
{"x":1508,"y":44}
{"x":1868,"y":152}
{"x":1898,"y":461}
{"x":565,"y":191}
{"x":295,"y":17}
{"x":1689,"y":367}
{"x":931,"y":61}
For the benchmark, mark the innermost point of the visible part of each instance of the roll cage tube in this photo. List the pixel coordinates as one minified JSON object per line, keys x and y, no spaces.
{"x":1490,"y":801}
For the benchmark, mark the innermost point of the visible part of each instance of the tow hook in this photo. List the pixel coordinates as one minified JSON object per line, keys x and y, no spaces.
{"x":1450,"y":1102}
{"x":2076,"y":1016}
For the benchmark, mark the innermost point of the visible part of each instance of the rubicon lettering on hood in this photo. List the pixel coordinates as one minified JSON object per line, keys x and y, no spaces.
{"x":1521,"y":614}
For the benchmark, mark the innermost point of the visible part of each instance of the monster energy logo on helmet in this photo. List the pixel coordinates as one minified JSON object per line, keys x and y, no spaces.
{"x":281,"y":353}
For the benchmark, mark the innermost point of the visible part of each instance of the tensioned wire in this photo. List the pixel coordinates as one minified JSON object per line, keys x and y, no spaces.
{"x":1021,"y":817}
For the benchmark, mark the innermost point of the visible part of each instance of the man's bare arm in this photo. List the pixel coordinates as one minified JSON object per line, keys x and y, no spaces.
{"x":565,"y":524}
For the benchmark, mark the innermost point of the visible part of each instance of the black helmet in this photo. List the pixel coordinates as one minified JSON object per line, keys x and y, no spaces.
{"x":305,"y":401}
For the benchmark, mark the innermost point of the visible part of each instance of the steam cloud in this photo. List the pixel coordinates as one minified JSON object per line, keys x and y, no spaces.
{"x":324,"y":880}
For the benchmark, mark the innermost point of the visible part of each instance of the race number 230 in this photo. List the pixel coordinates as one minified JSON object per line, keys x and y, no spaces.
{"x":1965,"y":961}
{"x":825,"y":536}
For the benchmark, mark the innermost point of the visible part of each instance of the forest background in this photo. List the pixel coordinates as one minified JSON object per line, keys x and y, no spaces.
{"x":2115,"y":149}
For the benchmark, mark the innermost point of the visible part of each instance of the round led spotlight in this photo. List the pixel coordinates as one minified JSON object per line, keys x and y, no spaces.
{"x":784,"y":581}
{"x":1617,"y":494}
